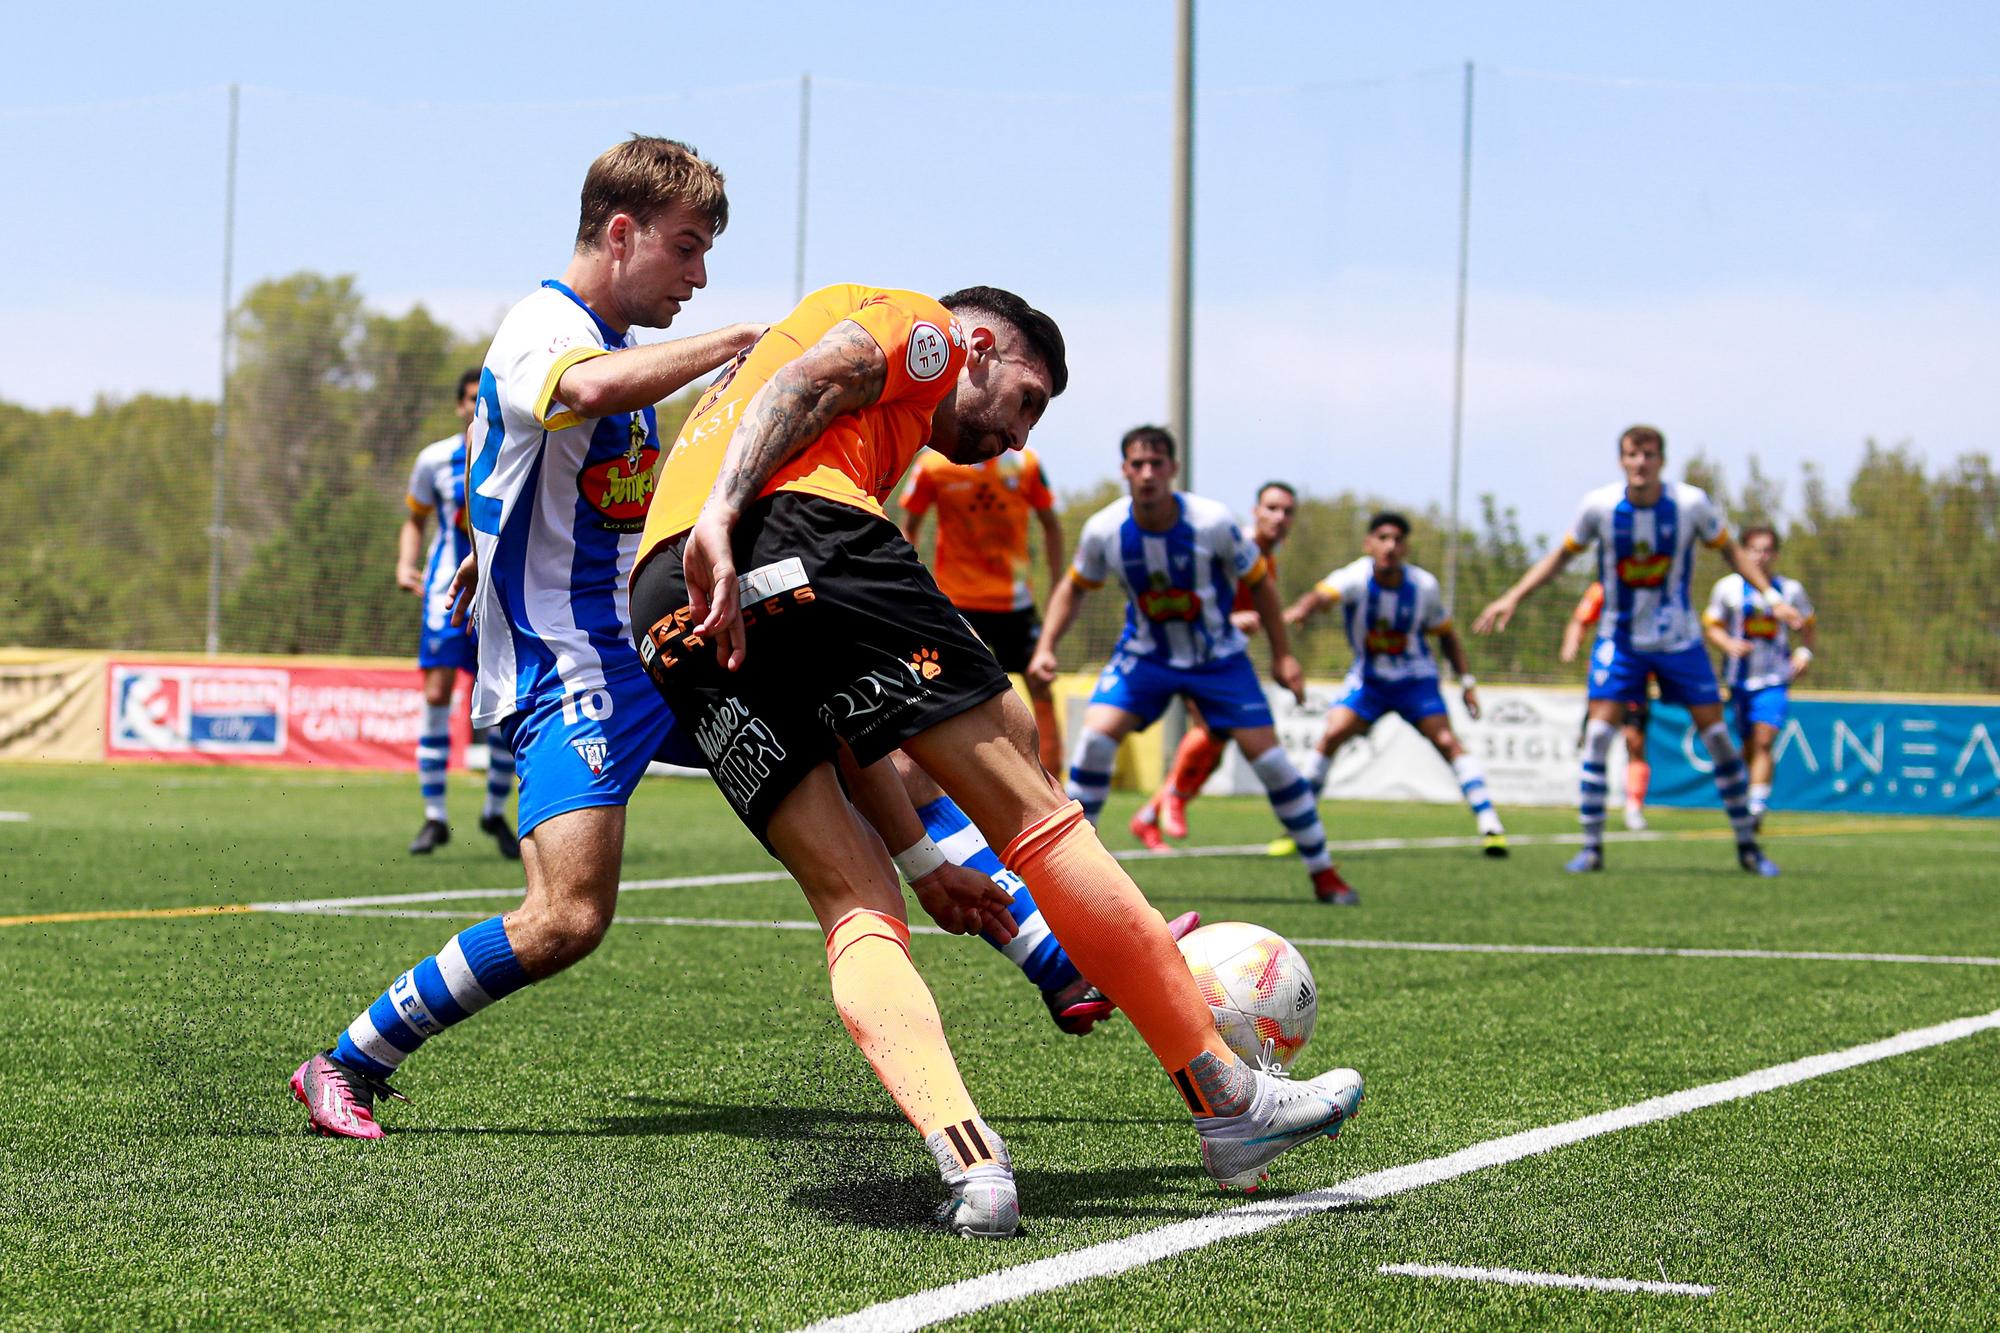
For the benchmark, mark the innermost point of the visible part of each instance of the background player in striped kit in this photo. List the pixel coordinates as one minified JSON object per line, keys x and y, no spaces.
{"x":1645,"y":532}
{"x":437,"y":486}
{"x":1390,"y":609}
{"x":1759,"y":662}
{"x":1201,"y":750}
{"x":1179,"y":558}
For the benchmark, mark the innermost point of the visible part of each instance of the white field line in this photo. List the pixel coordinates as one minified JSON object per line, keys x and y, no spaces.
{"x":1134,"y":854}
{"x":924,"y":1308}
{"x":1409,"y":946}
{"x":1515,"y":1277}
{"x":14,"y":816}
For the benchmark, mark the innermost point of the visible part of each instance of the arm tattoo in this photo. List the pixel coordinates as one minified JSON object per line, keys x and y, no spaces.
{"x":843,"y":372}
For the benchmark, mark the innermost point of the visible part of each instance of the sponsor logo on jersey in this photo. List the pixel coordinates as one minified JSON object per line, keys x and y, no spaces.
{"x":1385,"y":640}
{"x":1161,"y":602}
{"x":621,"y":488}
{"x":928,"y":354}
{"x":741,"y":750}
{"x":1645,"y":568}
{"x":1760,"y":625}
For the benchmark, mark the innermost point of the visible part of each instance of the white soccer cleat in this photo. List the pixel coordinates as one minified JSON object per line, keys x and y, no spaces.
{"x":1284,"y":1114}
{"x":974,"y":1163}
{"x":1635,"y":818}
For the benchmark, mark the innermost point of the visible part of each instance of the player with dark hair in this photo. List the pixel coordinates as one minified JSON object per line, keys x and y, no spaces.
{"x":1179,"y":558}
{"x":1645,"y":531}
{"x":797,"y":636}
{"x":1389,"y":609}
{"x":437,"y":486}
{"x":1201,"y":750}
{"x":1759,"y":661}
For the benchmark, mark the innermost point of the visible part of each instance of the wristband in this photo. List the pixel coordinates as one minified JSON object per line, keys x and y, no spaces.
{"x":918,"y":859}
{"x":1468,"y":682}
{"x":1803,"y":653}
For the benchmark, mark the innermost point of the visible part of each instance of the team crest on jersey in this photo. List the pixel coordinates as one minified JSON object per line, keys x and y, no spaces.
{"x":621,"y":488}
{"x":1644,"y":568}
{"x":1385,"y":640}
{"x":593,"y":751}
{"x":929,"y":352}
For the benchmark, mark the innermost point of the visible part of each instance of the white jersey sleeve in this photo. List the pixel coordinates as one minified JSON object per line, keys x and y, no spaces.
{"x":422,"y":497}
{"x":1705,"y":515}
{"x":1723,"y":601}
{"x":1347,"y":583}
{"x":529,"y":369}
{"x":1092,"y":563}
{"x":1587,"y":528}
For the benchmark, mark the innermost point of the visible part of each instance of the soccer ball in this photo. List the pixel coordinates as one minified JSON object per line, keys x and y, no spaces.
{"x":1259,"y":989}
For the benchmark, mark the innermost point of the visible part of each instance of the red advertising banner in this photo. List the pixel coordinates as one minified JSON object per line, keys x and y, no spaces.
{"x":345,"y":717}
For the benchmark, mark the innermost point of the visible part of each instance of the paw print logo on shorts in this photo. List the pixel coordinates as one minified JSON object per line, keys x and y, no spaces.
{"x":925,"y":660}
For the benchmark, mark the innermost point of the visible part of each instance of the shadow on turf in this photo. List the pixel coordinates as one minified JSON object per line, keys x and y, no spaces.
{"x":760,"y":1120}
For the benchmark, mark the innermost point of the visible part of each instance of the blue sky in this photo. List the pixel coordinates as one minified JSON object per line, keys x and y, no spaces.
{"x":1767,"y":228}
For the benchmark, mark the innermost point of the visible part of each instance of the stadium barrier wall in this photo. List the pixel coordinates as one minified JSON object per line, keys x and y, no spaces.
{"x":302,"y":711}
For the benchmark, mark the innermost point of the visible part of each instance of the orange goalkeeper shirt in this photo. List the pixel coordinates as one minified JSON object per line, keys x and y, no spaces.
{"x":863,"y":454}
{"x":982,"y":538}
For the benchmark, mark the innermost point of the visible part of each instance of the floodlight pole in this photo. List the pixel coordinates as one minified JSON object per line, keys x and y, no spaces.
{"x":218,"y":529}
{"x":805,"y":144}
{"x":1180,"y":335}
{"x":1458,"y":350}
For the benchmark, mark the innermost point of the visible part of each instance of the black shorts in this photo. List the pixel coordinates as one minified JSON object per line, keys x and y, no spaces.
{"x":847,"y":641}
{"x":1011,"y":635}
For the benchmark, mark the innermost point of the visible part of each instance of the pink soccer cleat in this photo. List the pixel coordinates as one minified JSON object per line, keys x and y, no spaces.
{"x":339,"y":1102}
{"x":1147,"y":831}
{"x":1173,"y":814}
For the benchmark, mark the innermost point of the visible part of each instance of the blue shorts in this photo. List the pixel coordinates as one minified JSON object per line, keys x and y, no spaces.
{"x":1686,"y":677}
{"x":591,"y":748}
{"x":1411,"y":700}
{"x":1768,"y":706}
{"x":451,"y":646}
{"x":1227,"y":691}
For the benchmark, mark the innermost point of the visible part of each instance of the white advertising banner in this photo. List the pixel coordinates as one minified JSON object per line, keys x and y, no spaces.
{"x":1526,"y":738}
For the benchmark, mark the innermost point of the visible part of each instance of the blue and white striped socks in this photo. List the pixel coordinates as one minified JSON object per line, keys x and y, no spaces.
{"x":1472,"y":781}
{"x":1034,"y":948}
{"x":433,"y":754}
{"x":1732,"y":783}
{"x":1295,"y":803}
{"x":476,"y":968}
{"x":1597,"y":737}
{"x":499,"y":775}
{"x":1090,"y":771}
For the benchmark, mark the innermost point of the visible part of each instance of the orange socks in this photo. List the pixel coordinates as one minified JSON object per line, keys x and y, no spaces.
{"x":1638,"y":777}
{"x":1049,"y":731}
{"x":1113,"y":935}
{"x":1194,"y":763}
{"x":893,"y":1019}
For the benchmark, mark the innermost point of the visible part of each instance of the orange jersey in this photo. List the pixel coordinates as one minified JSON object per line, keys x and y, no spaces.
{"x":1245,"y":598}
{"x":863,"y":454}
{"x":982,"y":538}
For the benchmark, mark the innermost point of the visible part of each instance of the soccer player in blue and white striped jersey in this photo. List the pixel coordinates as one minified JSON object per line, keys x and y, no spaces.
{"x":1645,"y":533}
{"x":1179,"y":558}
{"x":437,"y":488}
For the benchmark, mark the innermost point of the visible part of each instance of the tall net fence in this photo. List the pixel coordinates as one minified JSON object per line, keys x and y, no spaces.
{"x":1793,"y":282}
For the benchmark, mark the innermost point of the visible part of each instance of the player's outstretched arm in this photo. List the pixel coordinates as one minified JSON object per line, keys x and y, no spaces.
{"x":843,"y":372}
{"x":1285,"y":668}
{"x":1064,"y":603}
{"x":410,"y":553}
{"x":1052,"y":545}
{"x":1453,"y":649}
{"x":463,"y":585}
{"x":636,"y":377}
{"x":1501,"y":610}
{"x":1315,"y":601}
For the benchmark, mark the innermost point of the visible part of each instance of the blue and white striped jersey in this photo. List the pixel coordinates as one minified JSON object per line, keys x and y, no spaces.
{"x":1388,"y":628}
{"x":1741,"y":611}
{"x":1645,"y":559}
{"x":557,"y":505}
{"x":1179,"y":584}
{"x":437,"y":486}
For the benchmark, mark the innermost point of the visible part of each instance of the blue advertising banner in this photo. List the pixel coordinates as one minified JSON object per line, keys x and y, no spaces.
{"x":1862,"y":756}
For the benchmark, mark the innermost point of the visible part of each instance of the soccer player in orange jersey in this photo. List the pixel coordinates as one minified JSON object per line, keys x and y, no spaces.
{"x":1201,"y":750}
{"x":1638,"y":712}
{"x":982,"y":558}
{"x":791,"y":627}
